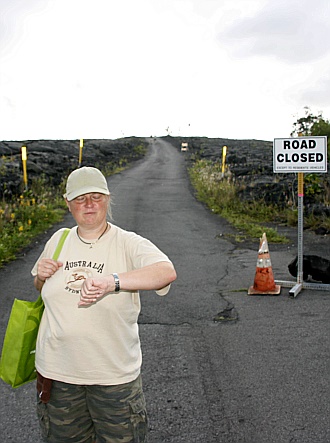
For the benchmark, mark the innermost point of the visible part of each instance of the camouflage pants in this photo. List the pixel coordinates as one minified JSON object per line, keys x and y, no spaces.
{"x":88,"y":414}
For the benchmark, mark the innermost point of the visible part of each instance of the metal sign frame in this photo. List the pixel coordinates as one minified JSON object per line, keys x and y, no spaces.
{"x":300,"y":284}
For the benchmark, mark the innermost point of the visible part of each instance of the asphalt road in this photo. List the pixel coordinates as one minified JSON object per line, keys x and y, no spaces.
{"x":262,"y":376}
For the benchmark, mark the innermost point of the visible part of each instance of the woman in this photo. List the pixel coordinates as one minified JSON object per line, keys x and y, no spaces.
{"x":88,"y":346}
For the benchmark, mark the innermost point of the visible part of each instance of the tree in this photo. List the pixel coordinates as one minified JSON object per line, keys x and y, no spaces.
{"x":310,"y":125}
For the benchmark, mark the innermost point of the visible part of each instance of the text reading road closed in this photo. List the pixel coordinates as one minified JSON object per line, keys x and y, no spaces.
{"x":300,"y":154}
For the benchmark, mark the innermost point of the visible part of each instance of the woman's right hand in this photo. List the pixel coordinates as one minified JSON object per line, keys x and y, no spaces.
{"x":46,"y":268}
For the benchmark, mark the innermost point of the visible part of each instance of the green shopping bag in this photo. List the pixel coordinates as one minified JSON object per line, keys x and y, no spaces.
{"x":18,"y":352}
{"x":17,"y":365}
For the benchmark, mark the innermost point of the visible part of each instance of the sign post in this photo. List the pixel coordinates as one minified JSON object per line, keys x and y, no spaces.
{"x":299,"y":155}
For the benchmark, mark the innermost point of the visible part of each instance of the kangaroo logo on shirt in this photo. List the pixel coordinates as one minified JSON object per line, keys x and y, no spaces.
{"x":77,"y":277}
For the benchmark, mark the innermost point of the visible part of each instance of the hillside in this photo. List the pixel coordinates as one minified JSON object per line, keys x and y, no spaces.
{"x":249,"y":163}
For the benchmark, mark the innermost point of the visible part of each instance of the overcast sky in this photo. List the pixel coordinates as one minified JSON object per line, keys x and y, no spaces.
{"x":73,"y":69}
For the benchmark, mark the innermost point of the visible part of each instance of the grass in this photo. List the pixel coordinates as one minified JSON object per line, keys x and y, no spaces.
{"x":23,"y":218}
{"x":35,"y":210}
{"x":249,"y":218}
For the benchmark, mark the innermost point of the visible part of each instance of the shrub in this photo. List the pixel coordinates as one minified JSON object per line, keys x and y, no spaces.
{"x":220,"y":195}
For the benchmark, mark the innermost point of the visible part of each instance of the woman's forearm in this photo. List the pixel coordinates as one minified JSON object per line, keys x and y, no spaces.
{"x":38,"y":283}
{"x":152,"y":277}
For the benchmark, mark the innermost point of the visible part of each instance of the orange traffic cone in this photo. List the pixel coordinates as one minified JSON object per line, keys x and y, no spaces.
{"x":264,"y":282}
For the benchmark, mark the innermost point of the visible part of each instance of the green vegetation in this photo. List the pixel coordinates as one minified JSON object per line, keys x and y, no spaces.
{"x":221,"y":197}
{"x":140,"y":150}
{"x":250,"y":218}
{"x":34,"y":211}
{"x":27,"y":216}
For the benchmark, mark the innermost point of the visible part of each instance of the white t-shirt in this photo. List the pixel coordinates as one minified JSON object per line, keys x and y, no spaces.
{"x":98,"y":344}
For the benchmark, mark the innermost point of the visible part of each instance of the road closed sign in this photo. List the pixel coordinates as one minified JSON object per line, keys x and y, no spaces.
{"x":301,"y":154}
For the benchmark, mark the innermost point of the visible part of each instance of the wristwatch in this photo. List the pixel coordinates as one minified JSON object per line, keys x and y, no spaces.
{"x":117,"y":284}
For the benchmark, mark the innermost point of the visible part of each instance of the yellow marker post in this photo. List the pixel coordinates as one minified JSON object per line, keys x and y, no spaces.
{"x":224,"y":153}
{"x":80,"y":150}
{"x":24,"y":158}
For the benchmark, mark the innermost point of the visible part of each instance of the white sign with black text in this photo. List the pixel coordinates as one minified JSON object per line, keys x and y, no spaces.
{"x":301,"y":154}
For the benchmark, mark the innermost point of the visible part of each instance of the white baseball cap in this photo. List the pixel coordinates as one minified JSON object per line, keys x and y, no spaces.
{"x":85,"y":180}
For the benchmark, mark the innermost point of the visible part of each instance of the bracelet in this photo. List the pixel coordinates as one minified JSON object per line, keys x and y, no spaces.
{"x":117,"y":284}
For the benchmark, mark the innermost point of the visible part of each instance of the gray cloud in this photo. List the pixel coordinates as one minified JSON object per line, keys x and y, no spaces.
{"x":315,"y":93}
{"x":294,"y":31}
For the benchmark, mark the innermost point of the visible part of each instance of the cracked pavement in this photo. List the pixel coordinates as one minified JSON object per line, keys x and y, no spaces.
{"x":218,"y":365}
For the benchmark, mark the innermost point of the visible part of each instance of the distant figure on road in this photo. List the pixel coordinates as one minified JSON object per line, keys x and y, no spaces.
{"x":88,"y":354}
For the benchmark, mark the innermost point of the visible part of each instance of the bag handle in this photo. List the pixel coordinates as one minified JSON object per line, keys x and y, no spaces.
{"x":61,"y":243}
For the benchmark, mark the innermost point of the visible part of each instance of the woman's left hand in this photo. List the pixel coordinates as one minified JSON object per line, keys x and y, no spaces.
{"x":92,"y":290}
